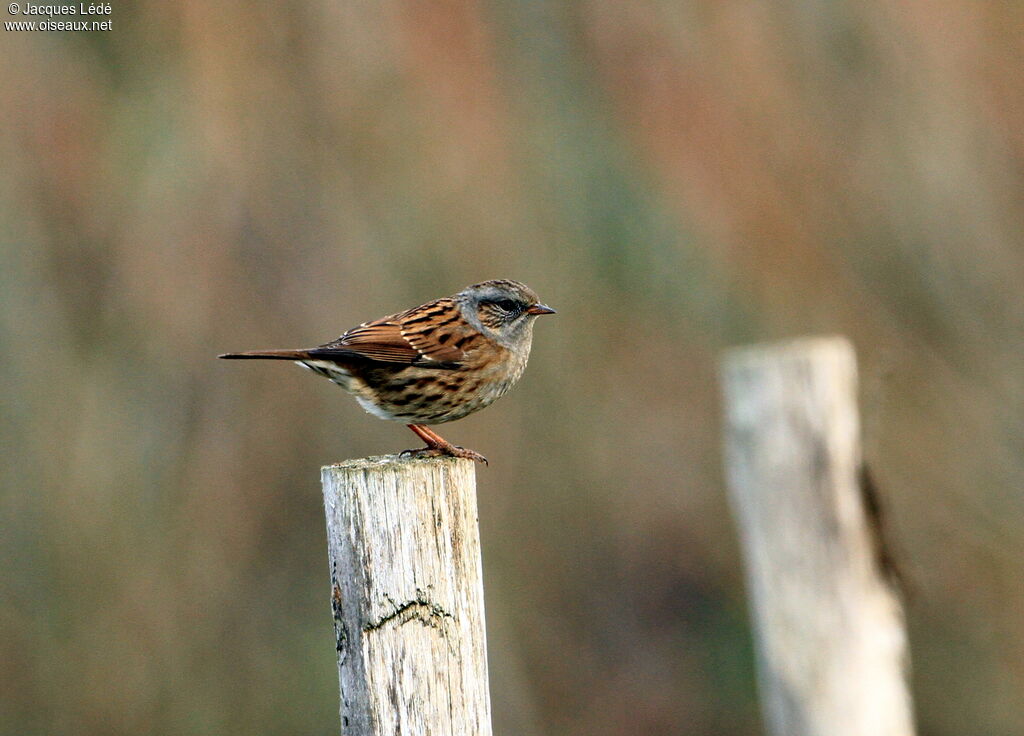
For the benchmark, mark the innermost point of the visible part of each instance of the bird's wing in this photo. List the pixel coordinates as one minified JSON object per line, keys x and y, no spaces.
{"x":430,"y":335}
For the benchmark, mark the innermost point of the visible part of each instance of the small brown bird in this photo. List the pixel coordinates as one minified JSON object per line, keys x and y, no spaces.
{"x":434,"y":363}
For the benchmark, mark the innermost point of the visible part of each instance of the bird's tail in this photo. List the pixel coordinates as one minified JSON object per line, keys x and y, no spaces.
{"x":268,"y":355}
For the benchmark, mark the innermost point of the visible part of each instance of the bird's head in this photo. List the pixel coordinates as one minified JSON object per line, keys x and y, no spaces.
{"x":504,"y":310}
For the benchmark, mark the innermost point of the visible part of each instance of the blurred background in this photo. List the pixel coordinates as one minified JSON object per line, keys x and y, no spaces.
{"x":673,"y":177}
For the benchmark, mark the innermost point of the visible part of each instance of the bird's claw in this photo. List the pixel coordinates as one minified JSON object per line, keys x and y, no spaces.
{"x":450,"y":451}
{"x":469,"y":454}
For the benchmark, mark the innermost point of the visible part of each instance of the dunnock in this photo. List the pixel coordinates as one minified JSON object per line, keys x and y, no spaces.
{"x":434,"y":363}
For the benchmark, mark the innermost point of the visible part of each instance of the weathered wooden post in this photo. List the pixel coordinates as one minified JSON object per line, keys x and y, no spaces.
{"x":829,"y":628}
{"x":407,"y":596}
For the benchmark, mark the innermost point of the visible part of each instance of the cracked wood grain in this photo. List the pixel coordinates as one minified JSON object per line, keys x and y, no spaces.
{"x":407,"y":596}
{"x":830,"y":634}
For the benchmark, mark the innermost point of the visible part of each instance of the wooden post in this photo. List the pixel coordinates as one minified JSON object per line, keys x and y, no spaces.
{"x":830,"y":634}
{"x":407,"y":596}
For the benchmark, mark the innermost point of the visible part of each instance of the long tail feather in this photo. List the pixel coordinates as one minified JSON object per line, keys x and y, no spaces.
{"x":269,"y":355}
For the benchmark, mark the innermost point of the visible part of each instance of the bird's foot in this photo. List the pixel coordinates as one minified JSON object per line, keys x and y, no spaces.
{"x":446,"y":451}
{"x":465,"y":452}
{"x":438,"y":446}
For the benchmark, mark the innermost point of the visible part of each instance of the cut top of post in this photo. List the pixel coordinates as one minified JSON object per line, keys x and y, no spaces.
{"x":398,"y":460}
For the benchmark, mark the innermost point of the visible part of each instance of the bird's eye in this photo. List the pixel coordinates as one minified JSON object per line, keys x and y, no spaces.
{"x":507,"y":305}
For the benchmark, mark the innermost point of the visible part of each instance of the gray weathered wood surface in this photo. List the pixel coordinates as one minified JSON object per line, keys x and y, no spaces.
{"x":407,"y":596}
{"x":830,"y":633}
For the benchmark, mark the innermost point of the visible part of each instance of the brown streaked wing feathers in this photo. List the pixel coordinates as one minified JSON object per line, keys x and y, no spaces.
{"x":380,"y":340}
{"x":383,"y":339}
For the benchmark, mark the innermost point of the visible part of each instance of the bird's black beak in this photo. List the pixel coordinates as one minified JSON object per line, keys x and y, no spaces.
{"x":539,"y":309}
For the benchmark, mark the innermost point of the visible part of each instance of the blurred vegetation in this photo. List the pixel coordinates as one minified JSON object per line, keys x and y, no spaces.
{"x":673,"y":177}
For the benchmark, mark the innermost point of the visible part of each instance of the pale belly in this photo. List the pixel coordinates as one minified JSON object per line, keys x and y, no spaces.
{"x":421,"y":395}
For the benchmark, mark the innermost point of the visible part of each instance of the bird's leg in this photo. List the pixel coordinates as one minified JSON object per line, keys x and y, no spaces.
{"x":438,"y":445}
